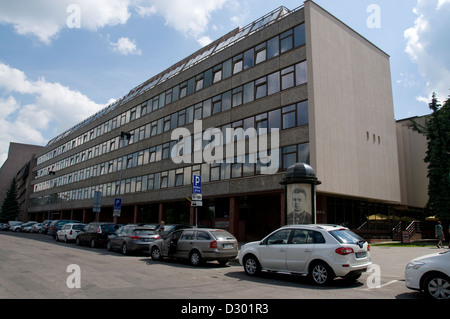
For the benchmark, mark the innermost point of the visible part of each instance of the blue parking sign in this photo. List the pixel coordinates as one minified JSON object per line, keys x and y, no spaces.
{"x":197,"y":188}
{"x":117,"y":204}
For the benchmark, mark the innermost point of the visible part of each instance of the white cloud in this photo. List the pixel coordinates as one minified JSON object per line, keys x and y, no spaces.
{"x":51,"y":109}
{"x":190,"y":17}
{"x":125,"y":46}
{"x":44,"y":19}
{"x":428,"y":50}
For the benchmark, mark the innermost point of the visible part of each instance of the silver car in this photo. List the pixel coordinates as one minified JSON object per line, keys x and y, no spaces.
{"x":196,"y":245}
{"x":131,"y":238}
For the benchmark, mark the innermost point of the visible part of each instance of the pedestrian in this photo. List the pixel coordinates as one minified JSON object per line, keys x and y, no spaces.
{"x":439,"y":230}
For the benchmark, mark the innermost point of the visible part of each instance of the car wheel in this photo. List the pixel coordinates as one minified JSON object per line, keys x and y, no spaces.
{"x":92,"y":243}
{"x":251,"y":265}
{"x":195,"y":258}
{"x":108,"y":245}
{"x":321,"y":274}
{"x":56,"y":238}
{"x":124,"y":249}
{"x":66,"y":240}
{"x":155,"y":253}
{"x":77,"y":241}
{"x":437,"y":286}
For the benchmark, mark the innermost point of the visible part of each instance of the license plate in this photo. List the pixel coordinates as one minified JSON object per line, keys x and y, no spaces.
{"x":361,"y":255}
{"x":227,"y":246}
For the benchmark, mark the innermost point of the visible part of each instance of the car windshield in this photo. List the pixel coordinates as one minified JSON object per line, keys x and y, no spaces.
{"x":345,"y":236}
{"x":145,"y":232}
{"x":222,"y":234}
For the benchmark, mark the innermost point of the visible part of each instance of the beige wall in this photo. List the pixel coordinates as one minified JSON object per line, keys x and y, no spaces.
{"x":352,"y":125}
{"x":412,"y":148}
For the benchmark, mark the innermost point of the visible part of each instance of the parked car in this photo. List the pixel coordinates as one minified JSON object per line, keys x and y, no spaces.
{"x":321,"y":252}
{"x":131,"y":238}
{"x":167,"y":229}
{"x":27,"y":226}
{"x":196,"y":245}
{"x":69,"y":232}
{"x":4,"y":226}
{"x":96,"y":234}
{"x":15,"y":226}
{"x":45,"y":225}
{"x":430,"y":274}
{"x":57,"y":225}
{"x":37,"y":228}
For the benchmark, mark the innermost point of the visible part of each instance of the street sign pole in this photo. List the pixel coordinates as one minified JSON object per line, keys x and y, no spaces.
{"x":197,"y":196}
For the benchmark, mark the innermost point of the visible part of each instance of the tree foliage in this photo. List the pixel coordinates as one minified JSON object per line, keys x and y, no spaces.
{"x":437,"y":132}
{"x":10,"y":206}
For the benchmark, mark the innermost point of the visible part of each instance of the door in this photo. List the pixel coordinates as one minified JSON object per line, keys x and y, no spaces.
{"x":301,"y":249}
{"x":170,"y":244}
{"x":273,"y":250}
{"x":185,"y":243}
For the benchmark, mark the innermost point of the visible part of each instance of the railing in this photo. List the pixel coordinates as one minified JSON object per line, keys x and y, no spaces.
{"x":397,"y":232}
{"x":413,"y":228}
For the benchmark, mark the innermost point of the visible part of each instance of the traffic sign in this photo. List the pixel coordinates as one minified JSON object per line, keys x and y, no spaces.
{"x":197,"y":196}
{"x":117,"y":207}
{"x":197,"y":188}
{"x":196,"y":203}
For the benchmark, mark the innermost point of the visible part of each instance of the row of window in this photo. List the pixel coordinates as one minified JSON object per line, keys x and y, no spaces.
{"x":180,"y":177}
{"x":277,"y":45}
{"x":285,"y":117}
{"x":264,"y":86}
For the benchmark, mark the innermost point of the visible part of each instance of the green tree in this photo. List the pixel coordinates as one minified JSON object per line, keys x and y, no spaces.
{"x":437,"y":132}
{"x":10,"y":206}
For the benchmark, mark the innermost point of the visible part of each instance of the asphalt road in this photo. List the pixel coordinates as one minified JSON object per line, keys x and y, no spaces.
{"x":34,"y":266}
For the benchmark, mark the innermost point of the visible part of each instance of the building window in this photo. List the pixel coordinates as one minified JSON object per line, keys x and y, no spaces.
{"x":287,"y":78}
{"x":286,"y":40}
{"x":300,"y":73}
{"x":289,"y":116}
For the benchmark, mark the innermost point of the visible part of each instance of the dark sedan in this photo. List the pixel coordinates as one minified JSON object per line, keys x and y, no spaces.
{"x":96,"y":234}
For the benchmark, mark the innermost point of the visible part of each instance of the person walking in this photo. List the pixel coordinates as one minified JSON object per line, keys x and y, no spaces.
{"x":439,"y":230}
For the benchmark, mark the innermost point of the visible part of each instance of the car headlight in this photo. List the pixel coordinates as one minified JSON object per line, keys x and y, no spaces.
{"x":414,"y":265}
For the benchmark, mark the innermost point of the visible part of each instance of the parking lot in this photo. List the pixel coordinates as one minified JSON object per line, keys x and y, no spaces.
{"x":35,"y":266}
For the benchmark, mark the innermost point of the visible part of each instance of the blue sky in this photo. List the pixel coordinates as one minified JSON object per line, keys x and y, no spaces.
{"x":63,"y":60}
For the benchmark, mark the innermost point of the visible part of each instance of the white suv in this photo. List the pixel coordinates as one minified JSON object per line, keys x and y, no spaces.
{"x":321,"y":251}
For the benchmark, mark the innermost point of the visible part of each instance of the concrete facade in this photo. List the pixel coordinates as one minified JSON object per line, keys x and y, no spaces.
{"x":304,"y":72}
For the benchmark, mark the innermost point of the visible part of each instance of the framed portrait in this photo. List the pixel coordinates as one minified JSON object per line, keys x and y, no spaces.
{"x":299,"y":204}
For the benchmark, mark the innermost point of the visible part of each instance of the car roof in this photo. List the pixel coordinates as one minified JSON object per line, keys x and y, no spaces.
{"x":327,"y":227}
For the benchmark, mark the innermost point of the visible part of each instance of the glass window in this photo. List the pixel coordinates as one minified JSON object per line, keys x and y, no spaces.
{"x":289,"y":156}
{"x":286,"y":41}
{"x":217,"y":75}
{"x":214,"y":172}
{"x":280,"y":237}
{"x":226,"y":101}
{"x":275,"y":119}
{"x":303,"y":153}
{"x":237,"y":96}
{"x":217,"y":104}
{"x":289,"y":116}
{"x":207,"y":78}
{"x":261,"y":87}
{"x":227,"y":68}
{"x":261,"y":53}
{"x":287,"y":78}
{"x":273,"y":83}
{"x":207,"y":108}
{"x":300,"y":73}
{"x":299,"y":35}
{"x":249,"y":94}
{"x":299,"y":236}
{"x":202,"y":235}
{"x":273,"y":47}
{"x":237,"y":64}
{"x":249,"y":58}
{"x":302,"y":113}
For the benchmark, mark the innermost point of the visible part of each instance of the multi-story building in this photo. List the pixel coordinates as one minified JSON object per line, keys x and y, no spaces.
{"x":321,"y":90}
